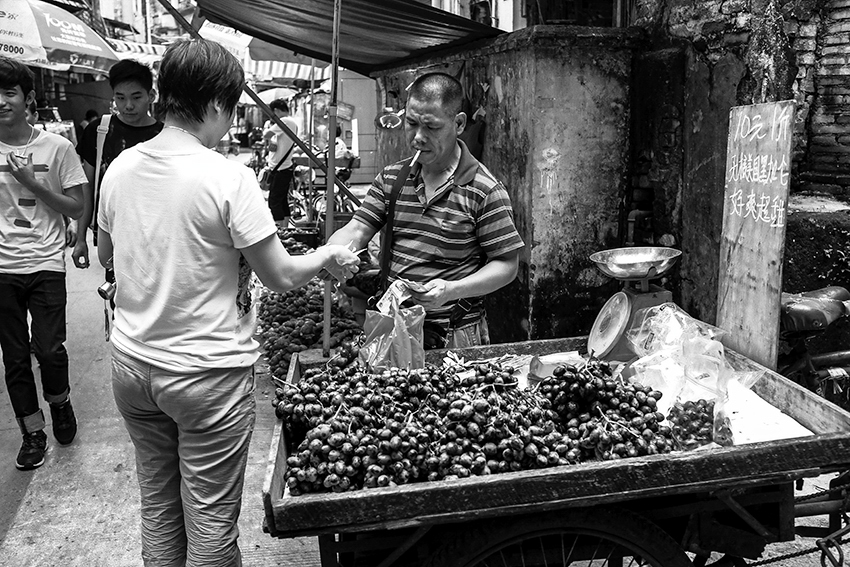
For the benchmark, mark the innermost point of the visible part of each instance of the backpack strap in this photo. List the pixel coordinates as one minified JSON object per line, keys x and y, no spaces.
{"x":102,"y":130}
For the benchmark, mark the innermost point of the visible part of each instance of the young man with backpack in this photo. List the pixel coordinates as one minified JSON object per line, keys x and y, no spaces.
{"x":41,"y":182}
{"x":106,"y":137}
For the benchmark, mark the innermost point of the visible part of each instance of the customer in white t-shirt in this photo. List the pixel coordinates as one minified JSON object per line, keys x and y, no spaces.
{"x":41,"y":182}
{"x":183,"y":227}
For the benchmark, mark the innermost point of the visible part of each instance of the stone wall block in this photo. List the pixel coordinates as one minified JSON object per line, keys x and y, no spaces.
{"x":808,"y":31}
{"x":839,"y":14}
{"x":733,"y":6}
{"x":838,"y":50}
{"x":829,"y":189}
{"x":833,"y":149}
{"x":805,"y":45}
{"x":823,"y":140}
{"x":837,"y":39}
{"x":806,"y":59}
{"x":736,"y":38}
{"x":833,"y":71}
{"x":826,"y":61}
{"x":838,"y":27}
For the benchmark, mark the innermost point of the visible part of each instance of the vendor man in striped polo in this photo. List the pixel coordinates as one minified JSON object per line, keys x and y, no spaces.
{"x":453,"y":227}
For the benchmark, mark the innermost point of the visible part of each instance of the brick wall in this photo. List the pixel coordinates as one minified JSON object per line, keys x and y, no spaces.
{"x":824,"y":166}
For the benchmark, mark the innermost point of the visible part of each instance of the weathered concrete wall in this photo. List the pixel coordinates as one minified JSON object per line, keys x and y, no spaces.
{"x":557,"y":133}
{"x":735,"y":52}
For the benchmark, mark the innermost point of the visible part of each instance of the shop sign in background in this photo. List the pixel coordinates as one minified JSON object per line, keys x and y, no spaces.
{"x":758,"y":169}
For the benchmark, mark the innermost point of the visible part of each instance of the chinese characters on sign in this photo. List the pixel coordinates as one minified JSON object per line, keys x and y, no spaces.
{"x":754,"y":216}
{"x":748,"y":169}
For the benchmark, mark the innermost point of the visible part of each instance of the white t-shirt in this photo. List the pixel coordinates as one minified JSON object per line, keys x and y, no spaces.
{"x":283,"y":141}
{"x":32,"y":235}
{"x":177,"y":220}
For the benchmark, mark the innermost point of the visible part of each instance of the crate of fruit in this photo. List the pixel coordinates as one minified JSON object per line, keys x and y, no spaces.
{"x":357,"y":452}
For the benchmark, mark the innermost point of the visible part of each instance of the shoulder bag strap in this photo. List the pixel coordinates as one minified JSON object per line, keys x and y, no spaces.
{"x":102,"y":130}
{"x":387,"y":244}
{"x":283,"y":159}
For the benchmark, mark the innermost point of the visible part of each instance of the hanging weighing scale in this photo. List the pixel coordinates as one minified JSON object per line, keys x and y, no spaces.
{"x":636,"y":268}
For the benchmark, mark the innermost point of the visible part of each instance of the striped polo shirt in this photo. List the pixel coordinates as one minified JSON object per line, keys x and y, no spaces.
{"x":469,"y":221}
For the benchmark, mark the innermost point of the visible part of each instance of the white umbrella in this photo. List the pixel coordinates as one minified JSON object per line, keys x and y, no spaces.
{"x":44,"y":35}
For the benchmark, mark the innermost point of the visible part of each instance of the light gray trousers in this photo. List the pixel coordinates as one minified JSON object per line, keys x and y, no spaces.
{"x":191,"y":433}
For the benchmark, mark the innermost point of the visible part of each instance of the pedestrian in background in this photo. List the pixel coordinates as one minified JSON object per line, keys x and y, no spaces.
{"x":91,"y":115}
{"x":282,"y":168}
{"x":42,"y":182}
{"x":132,"y":95}
{"x":183,"y":227}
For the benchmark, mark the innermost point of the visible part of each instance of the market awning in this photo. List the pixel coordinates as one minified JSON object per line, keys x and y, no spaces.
{"x":142,"y":52}
{"x":70,"y":5}
{"x":119,"y":25}
{"x":374,"y":34}
{"x":262,"y":60}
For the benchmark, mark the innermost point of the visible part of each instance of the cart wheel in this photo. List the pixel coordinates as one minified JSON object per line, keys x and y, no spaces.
{"x":586,"y":537}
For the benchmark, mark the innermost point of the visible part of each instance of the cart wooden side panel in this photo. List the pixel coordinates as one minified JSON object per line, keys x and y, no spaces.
{"x":578,"y":485}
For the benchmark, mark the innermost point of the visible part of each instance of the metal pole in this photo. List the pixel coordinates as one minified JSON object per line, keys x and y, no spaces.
{"x":178,"y":17}
{"x":311,"y":124}
{"x":331,"y":172}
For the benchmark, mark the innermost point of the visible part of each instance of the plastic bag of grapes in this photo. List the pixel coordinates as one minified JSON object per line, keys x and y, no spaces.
{"x":698,"y":417}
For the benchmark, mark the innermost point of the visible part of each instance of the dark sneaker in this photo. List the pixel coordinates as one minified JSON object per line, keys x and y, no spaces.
{"x":64,"y":422}
{"x":31,"y":455}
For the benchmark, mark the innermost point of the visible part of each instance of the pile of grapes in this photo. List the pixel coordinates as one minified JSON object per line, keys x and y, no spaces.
{"x":693,"y":424}
{"x":292,"y":322}
{"x":610,"y":419}
{"x":351,"y":429}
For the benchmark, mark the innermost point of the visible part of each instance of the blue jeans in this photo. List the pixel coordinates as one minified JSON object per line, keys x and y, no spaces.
{"x":191,"y":433}
{"x":43,"y":295}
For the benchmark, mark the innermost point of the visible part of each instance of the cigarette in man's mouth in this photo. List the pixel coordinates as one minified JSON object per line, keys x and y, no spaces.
{"x":415,"y":157}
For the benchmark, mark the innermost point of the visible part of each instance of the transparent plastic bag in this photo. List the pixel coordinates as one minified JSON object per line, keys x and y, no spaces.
{"x":394,"y":334}
{"x":666,"y":326}
{"x":681,"y":357}
{"x":698,"y":416}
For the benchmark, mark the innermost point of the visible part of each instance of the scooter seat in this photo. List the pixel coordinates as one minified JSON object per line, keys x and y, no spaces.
{"x":809,"y":313}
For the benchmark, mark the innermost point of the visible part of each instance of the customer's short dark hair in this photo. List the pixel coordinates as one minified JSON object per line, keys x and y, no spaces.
{"x":195,"y":73}
{"x":441,"y":87}
{"x":91,"y":114}
{"x":128,"y":70}
{"x":13,"y":73}
{"x":279,"y":104}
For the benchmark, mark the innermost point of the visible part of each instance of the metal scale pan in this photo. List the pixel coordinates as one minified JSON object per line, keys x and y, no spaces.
{"x":636,"y":264}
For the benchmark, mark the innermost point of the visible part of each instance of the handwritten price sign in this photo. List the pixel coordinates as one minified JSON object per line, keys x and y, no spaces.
{"x":753,"y":239}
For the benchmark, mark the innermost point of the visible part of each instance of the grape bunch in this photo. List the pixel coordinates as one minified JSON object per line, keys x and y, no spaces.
{"x":605,"y":417}
{"x":694,"y":424}
{"x":292,"y":322}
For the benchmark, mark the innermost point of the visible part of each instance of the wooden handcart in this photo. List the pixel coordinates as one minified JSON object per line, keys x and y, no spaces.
{"x":664,"y":510}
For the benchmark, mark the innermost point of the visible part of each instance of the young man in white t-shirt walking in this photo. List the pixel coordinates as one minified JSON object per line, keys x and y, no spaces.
{"x":41,"y":182}
{"x":184,"y":226}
